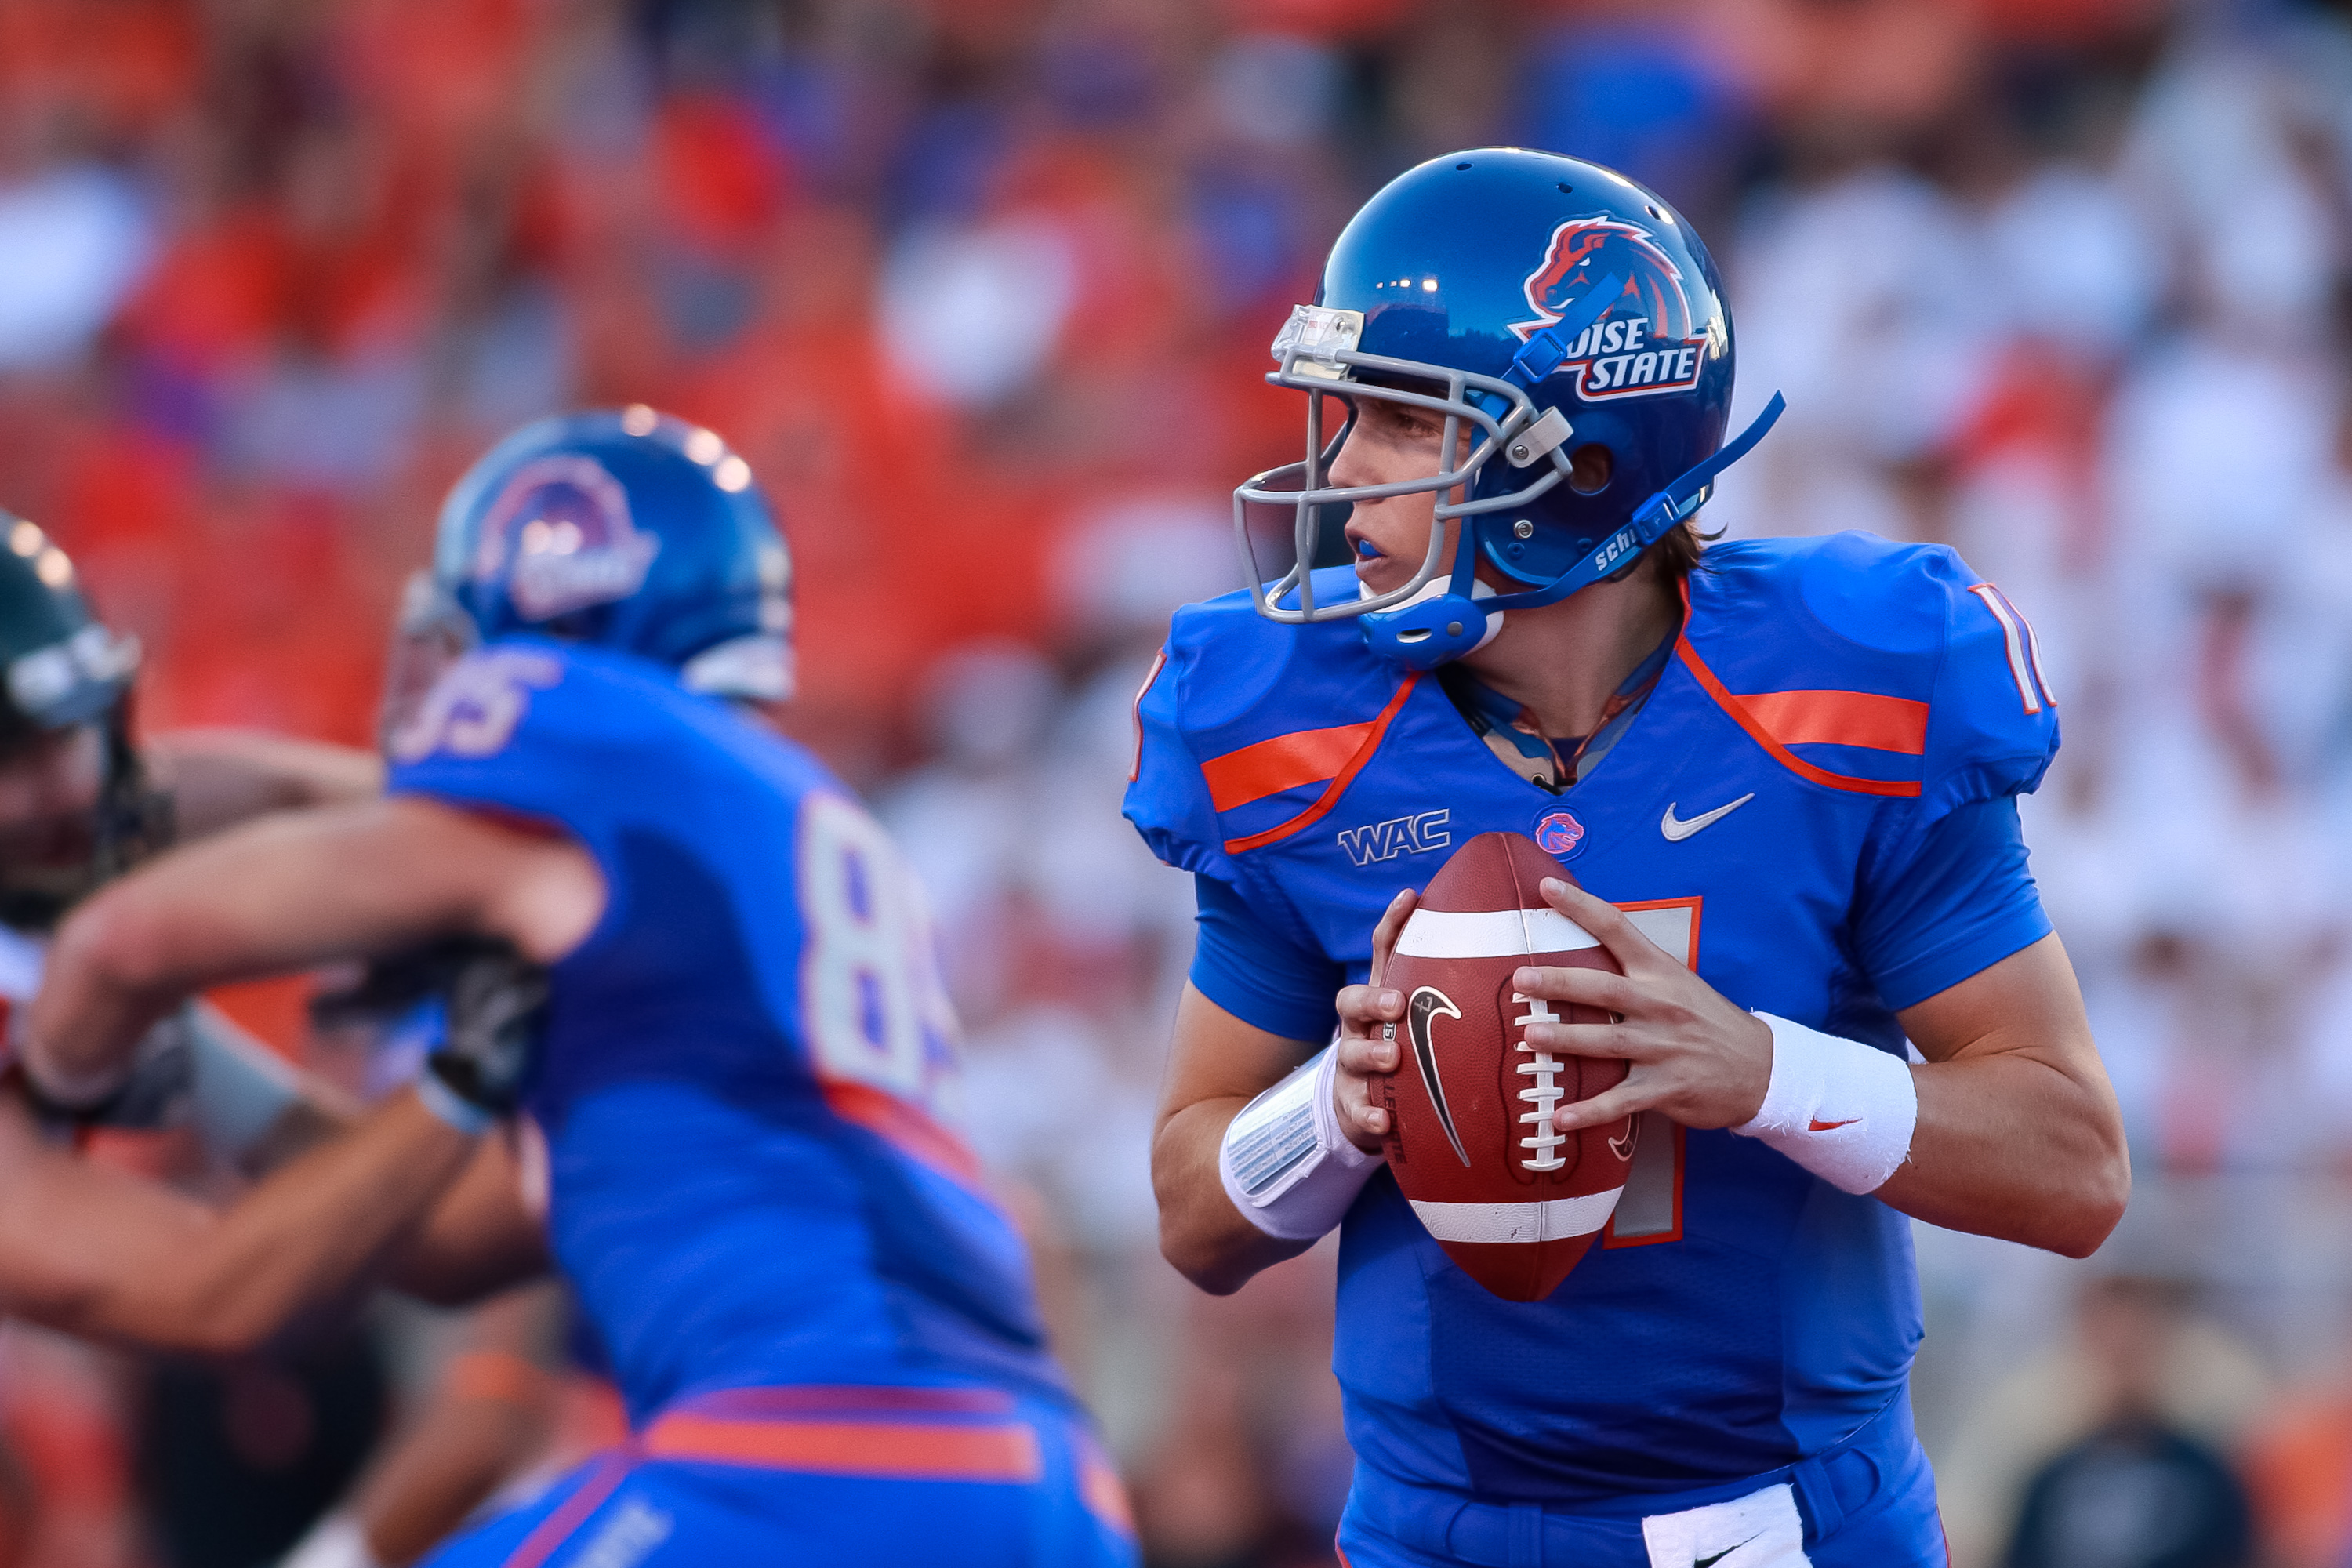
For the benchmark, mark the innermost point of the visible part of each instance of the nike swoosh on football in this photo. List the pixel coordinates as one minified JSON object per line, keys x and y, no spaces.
{"x":1676,"y":829}
{"x":1711,"y":1562}
{"x":1429,"y":1000}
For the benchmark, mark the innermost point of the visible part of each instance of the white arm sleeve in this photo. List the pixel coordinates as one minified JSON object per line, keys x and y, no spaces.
{"x":1284,"y":1162}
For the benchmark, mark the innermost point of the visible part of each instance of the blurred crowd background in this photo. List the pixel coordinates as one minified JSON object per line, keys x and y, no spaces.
{"x":982,"y":290}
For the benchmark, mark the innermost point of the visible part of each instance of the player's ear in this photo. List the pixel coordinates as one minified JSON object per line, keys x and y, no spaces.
{"x":1591,"y":468}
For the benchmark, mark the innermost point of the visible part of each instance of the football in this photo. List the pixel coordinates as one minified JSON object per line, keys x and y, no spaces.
{"x":1512,"y":1200}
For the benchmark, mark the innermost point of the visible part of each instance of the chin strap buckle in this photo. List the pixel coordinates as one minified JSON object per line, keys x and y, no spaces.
{"x":1688,"y":494}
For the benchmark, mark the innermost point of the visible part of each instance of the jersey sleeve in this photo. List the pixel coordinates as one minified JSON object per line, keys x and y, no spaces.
{"x":1992,"y":728}
{"x":1167,"y":795}
{"x":1962,"y":903}
{"x":1249,"y":967}
{"x":1944,"y":891}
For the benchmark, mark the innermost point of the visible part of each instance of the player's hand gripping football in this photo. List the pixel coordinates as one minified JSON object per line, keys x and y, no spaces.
{"x":1693,"y":1054}
{"x":1368,"y":1045}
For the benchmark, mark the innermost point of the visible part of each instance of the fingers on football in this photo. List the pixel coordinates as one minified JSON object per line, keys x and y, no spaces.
{"x":1606,"y":1040}
{"x":1584,"y":987}
{"x":1368,"y":1005}
{"x":1602,"y":1109}
{"x":1367,"y":1055}
{"x":1606,"y":923}
{"x":1385,"y":934}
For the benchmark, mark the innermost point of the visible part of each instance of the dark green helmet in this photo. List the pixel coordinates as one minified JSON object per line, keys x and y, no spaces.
{"x":62,"y":665}
{"x":63,"y":669}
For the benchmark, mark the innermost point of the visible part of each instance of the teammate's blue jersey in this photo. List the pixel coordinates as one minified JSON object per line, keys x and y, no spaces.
{"x":750,"y":1068}
{"x":1828,"y":705}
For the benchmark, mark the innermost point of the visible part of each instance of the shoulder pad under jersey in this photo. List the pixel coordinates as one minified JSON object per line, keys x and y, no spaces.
{"x":537,"y":727}
{"x":1244,"y":718}
{"x":1885,"y":670}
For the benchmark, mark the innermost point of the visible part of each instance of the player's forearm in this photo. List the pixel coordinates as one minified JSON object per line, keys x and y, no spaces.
{"x":2010,"y":1145}
{"x":280,"y":894}
{"x":304,"y":1240}
{"x":1201,"y":1232}
{"x":219,"y":778}
{"x":477,"y":1239}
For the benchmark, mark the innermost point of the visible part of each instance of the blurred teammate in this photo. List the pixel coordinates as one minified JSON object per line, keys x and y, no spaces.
{"x":822,"y":1328}
{"x":1792,"y":763}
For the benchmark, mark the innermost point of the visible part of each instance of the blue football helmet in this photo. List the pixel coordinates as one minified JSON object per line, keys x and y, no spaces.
{"x":622,"y":528}
{"x":1541,"y":304}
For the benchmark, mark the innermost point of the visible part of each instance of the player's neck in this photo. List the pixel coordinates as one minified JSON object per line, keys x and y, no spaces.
{"x":1563,"y":662}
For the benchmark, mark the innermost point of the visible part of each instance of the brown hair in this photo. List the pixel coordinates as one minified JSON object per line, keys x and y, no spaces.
{"x":1677,"y":554}
{"x":1678,"y":551}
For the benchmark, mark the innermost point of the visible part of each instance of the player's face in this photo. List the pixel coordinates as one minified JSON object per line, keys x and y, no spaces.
{"x":48,"y":798}
{"x":1393,"y":443}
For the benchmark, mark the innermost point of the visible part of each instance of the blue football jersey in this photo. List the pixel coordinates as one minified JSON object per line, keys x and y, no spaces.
{"x":749,"y":1079}
{"x":1827,"y":704}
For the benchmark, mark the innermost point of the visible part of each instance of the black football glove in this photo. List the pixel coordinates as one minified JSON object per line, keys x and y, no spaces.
{"x":496,"y":1003}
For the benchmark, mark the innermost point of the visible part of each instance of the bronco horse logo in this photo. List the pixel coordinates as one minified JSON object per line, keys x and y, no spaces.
{"x":1644,"y":344}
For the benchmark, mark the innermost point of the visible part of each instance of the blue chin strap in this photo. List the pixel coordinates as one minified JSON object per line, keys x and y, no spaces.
{"x":1436,"y":630}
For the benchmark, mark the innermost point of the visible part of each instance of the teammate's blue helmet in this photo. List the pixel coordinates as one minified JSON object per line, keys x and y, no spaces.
{"x":627,"y":528}
{"x":1541,"y":304}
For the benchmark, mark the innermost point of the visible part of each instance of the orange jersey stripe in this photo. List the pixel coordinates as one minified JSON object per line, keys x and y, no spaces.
{"x":1287,"y":762}
{"x":1737,"y":709}
{"x":1369,"y":741}
{"x":1841,"y":719}
{"x":901,"y":1450}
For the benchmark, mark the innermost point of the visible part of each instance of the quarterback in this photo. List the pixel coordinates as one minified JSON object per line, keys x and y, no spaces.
{"x":1783,"y":772}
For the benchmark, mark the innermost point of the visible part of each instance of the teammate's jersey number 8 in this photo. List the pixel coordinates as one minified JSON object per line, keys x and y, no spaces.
{"x":871,"y":998}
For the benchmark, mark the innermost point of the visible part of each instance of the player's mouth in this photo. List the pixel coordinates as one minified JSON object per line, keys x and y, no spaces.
{"x":1364,"y":550}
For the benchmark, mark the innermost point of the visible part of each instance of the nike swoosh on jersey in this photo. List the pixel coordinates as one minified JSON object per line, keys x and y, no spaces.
{"x":1427,"y":1002}
{"x":1711,"y":1562}
{"x":1818,"y":1125}
{"x":1676,"y":829}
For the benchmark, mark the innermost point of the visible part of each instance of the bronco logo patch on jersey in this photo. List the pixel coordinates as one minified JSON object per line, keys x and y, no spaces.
{"x":1560,"y":835}
{"x":1645,"y":343}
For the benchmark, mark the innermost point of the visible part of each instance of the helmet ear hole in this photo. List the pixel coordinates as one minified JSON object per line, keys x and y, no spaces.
{"x":1589,"y":468}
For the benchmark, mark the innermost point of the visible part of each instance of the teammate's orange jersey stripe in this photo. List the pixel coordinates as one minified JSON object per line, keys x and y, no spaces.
{"x":574,"y":1511}
{"x":1841,"y":718}
{"x":1368,"y":741}
{"x":1287,"y":762}
{"x":904,"y":1126}
{"x":897,"y":1449}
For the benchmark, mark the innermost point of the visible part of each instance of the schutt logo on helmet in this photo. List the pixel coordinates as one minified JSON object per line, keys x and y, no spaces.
{"x":1644,"y":344}
{"x":561,"y":534}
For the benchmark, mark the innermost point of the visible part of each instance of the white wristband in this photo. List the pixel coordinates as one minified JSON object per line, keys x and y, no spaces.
{"x":1842,"y":1110}
{"x":1284,"y":1162}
